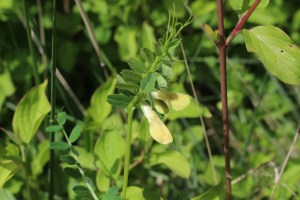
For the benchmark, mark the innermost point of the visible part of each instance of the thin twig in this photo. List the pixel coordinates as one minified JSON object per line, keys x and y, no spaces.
{"x":241,"y":22}
{"x":200,"y":116}
{"x":92,"y":36}
{"x":285,"y":162}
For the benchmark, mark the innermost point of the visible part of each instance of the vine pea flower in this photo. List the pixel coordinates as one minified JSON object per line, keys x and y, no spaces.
{"x":157,"y":128}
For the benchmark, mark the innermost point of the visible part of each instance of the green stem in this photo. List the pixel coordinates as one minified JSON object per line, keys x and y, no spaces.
{"x":28,"y":31}
{"x":51,"y":174}
{"x":127,"y":153}
{"x":24,"y":155}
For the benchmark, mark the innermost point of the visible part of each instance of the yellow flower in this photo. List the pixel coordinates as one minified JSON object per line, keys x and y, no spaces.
{"x":157,"y":128}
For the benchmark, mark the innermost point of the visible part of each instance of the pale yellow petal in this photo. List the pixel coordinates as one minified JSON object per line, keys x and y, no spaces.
{"x":176,"y":101}
{"x":158,"y":129}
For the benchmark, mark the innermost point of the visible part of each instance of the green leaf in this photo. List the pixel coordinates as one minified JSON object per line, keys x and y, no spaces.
{"x":215,"y":193}
{"x":128,"y":86}
{"x":147,"y":36}
{"x":30,"y":112}
{"x":191,"y":111}
{"x":7,"y":87}
{"x":119,"y":100}
{"x":148,"y":83}
{"x":174,"y":161}
{"x":62,"y":118}
{"x":7,"y":170}
{"x":112,"y":194}
{"x":68,"y":159}
{"x":126,"y":37}
{"x":54,"y":128}
{"x":72,"y":172}
{"x":102,"y":181}
{"x":167,"y":71}
{"x":137,"y":65}
{"x":85,"y":158}
{"x":276,"y":51}
{"x":41,"y":158}
{"x":110,"y":149}
{"x":161,"y":82}
{"x":131,"y":76}
{"x":241,"y":6}
{"x":75,"y":133}
{"x":100,"y":108}
{"x":136,"y":193}
{"x":59,"y":146}
{"x":147,"y":55}
{"x":81,"y":190}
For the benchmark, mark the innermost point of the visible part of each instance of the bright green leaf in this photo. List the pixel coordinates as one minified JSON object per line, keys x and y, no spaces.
{"x":161,"y":82}
{"x":110,"y":149}
{"x":276,"y":51}
{"x":7,"y":87}
{"x":7,"y":169}
{"x":174,"y":161}
{"x":241,"y":6}
{"x":147,"y":55}
{"x":41,"y":158}
{"x":147,"y":36}
{"x":75,"y":133}
{"x":136,"y":193}
{"x":102,"y":181}
{"x":30,"y":112}
{"x":59,"y":146}
{"x":100,"y":108}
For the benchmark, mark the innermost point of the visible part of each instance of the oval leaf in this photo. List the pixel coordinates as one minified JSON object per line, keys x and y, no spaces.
{"x":7,"y":169}
{"x":174,"y":161}
{"x":54,"y":128}
{"x":68,"y":159}
{"x":30,"y":112}
{"x":75,"y":133}
{"x":59,"y":146}
{"x":73,"y":172}
{"x":119,"y":100}
{"x":81,"y":190}
{"x":277,"y":52}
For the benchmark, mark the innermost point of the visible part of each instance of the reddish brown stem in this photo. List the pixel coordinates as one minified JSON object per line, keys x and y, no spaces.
{"x":223,"y":76}
{"x":241,"y":22}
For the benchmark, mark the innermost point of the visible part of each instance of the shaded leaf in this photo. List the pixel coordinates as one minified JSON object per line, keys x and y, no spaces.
{"x":62,"y":118}
{"x":54,"y":128}
{"x":73,"y":172}
{"x":119,"y":100}
{"x":215,"y":193}
{"x":68,"y":159}
{"x":59,"y":146}
{"x":137,"y":65}
{"x":131,"y":76}
{"x":81,"y":190}
{"x":128,"y":86}
{"x":147,"y":55}
{"x":148,"y":83}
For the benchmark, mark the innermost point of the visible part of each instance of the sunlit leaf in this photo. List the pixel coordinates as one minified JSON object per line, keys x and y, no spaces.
{"x":102,"y":181}
{"x":174,"y":161}
{"x":41,"y":158}
{"x":30,"y":112}
{"x":110,"y":149}
{"x":125,"y":36}
{"x":100,"y":108}
{"x":75,"y":133}
{"x":276,"y":51}
{"x":137,"y":193}
{"x":7,"y":169}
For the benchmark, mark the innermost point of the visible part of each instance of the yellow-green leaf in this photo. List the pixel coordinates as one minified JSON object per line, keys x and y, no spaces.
{"x":7,"y":169}
{"x":30,"y":112}
{"x":276,"y":51}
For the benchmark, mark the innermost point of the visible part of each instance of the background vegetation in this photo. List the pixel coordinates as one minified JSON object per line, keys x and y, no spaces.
{"x":263,"y":112}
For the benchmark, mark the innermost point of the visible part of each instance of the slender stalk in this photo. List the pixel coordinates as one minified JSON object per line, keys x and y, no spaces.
{"x":53,"y":102}
{"x":223,"y":77}
{"x":92,"y":36}
{"x":241,"y":22}
{"x":127,"y":152}
{"x":28,"y":31}
{"x":200,"y":116}
{"x":24,"y":154}
{"x":285,"y":162}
